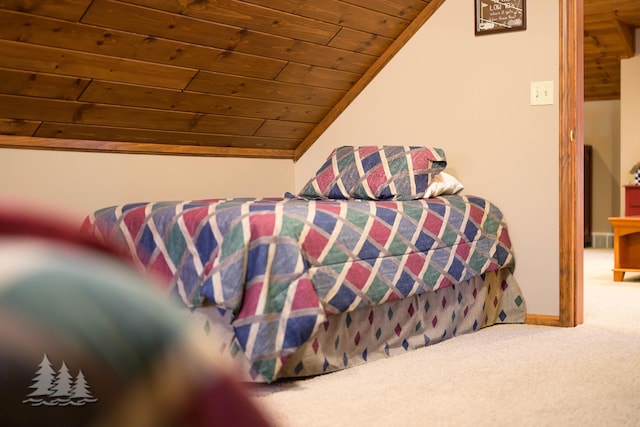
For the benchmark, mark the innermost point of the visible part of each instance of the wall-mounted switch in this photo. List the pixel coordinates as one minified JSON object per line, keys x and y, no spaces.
{"x":542,"y":93}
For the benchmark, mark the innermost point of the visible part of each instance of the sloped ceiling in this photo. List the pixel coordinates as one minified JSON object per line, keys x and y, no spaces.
{"x":257,"y":78}
{"x":253,"y":78}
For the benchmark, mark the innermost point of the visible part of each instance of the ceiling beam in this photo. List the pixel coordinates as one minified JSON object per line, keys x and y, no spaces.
{"x":627,"y":37}
{"x":139,"y":148}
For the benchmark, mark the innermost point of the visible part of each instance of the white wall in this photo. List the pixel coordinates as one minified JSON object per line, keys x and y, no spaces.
{"x":77,"y":183}
{"x":629,"y":113}
{"x":470,"y":96}
{"x":602,"y":132}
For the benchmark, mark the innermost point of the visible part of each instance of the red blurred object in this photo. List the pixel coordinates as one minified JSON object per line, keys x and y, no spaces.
{"x":17,"y":221}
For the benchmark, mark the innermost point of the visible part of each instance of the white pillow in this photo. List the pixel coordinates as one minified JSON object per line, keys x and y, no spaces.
{"x":442,"y":184}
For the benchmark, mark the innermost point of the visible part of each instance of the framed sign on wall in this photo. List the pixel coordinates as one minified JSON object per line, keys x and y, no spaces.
{"x":499,"y":16}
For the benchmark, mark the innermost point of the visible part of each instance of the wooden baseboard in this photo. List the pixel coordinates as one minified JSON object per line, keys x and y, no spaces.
{"x":542,"y":320}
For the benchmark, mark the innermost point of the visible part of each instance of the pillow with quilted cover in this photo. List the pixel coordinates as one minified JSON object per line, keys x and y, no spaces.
{"x":376,"y":173}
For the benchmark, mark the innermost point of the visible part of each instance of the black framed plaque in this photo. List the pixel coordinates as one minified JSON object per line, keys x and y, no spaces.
{"x":499,"y":16}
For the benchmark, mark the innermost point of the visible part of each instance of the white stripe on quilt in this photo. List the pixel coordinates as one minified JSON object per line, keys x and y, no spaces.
{"x":213,"y":225}
{"x":496,"y":241}
{"x":487,"y":254}
{"x":409,"y":158}
{"x":308,"y":220}
{"x":291,"y":291}
{"x":161,"y":247}
{"x":474,"y":241}
{"x":335,"y":232}
{"x":403,"y":260}
{"x":273,"y":246}
{"x":191,"y":247}
{"x":338,"y":177}
{"x":128,"y":238}
{"x":361,"y":241}
{"x":387,"y":172}
{"x":246,"y":231}
{"x":361,"y":173}
{"x":378,"y":261}
{"x":445,"y":221}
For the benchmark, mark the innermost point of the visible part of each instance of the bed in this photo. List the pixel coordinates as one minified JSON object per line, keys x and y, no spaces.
{"x":377,"y":255}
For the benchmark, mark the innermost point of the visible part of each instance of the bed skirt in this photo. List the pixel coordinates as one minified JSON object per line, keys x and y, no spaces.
{"x":370,"y":333}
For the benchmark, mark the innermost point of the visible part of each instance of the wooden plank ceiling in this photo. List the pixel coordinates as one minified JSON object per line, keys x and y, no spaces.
{"x":609,"y":35}
{"x":257,"y":78}
{"x":252,"y":78}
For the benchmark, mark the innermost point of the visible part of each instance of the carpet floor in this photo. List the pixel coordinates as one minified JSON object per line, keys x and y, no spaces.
{"x":504,"y":375}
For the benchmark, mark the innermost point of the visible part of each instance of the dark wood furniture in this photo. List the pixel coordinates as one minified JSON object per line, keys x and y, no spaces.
{"x":587,"y":195}
{"x":632,"y":200}
{"x":626,"y":245}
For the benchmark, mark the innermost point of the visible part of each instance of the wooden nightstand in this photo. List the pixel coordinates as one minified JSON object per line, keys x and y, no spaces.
{"x":632,"y":200}
{"x":626,"y":245}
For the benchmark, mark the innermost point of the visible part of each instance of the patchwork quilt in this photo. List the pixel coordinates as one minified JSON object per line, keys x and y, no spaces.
{"x":282,"y":266}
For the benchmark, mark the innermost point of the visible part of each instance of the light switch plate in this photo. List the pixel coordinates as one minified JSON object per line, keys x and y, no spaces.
{"x":542,"y":93}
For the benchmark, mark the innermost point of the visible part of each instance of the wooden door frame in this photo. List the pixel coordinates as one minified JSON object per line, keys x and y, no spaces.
{"x":571,"y":186}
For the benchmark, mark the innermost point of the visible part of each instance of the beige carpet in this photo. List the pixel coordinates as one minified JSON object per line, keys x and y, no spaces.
{"x":506,"y":375}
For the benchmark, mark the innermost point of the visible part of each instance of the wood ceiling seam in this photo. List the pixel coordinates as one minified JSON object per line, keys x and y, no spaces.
{"x":373,"y":45}
{"x":306,"y":74}
{"x":124,"y":44}
{"x":409,"y":11}
{"x":251,"y":88}
{"x":255,"y":18}
{"x":221,"y":36}
{"x":55,"y":110}
{"x":69,"y":10}
{"x":16,"y":127}
{"x":340,"y":13}
{"x":108,"y":92}
{"x":58,"y":130}
{"x":30,"y":83}
{"x":37,"y":58}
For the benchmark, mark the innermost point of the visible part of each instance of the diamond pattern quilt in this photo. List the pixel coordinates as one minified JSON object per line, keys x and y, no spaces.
{"x":281,"y":266}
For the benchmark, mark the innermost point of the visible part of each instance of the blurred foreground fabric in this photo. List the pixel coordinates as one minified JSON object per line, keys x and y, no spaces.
{"x":85,"y":339}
